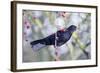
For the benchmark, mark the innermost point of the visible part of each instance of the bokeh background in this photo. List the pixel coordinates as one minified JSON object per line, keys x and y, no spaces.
{"x":39,"y":24}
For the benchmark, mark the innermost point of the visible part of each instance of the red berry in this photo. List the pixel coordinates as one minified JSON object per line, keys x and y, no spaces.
{"x":25,"y":22}
{"x":28,"y":27}
{"x":64,"y":12}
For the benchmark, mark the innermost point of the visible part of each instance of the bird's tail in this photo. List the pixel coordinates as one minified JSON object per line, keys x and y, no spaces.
{"x":37,"y":45}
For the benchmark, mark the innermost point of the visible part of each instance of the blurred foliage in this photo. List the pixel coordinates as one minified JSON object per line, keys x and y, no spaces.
{"x":44,"y":23}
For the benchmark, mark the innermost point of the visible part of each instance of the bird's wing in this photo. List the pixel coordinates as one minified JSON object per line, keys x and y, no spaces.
{"x":38,"y":44}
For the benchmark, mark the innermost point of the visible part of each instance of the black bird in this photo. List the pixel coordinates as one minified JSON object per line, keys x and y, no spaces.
{"x":62,"y":37}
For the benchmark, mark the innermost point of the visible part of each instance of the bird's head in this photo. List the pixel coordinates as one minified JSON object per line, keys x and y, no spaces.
{"x":71,"y":28}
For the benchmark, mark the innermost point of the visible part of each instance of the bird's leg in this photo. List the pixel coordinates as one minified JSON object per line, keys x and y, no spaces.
{"x":57,"y":57}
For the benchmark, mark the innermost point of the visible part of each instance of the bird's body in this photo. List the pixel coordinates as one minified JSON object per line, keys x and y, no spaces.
{"x":62,"y":37}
